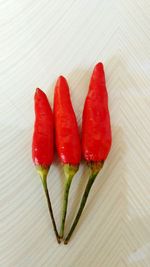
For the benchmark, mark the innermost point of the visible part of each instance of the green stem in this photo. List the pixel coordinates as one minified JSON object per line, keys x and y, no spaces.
{"x":69,"y":171}
{"x":43,"y":175}
{"x":95,"y":168}
{"x":65,"y":204}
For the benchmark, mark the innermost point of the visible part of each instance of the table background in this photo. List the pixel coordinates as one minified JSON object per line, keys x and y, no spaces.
{"x":39,"y":40}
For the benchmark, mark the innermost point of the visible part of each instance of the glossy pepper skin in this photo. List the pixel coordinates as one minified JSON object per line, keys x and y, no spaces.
{"x":43,"y":137}
{"x":66,"y":128}
{"x":67,"y":139}
{"x":43,"y":144}
{"x":96,"y":129}
{"x":96,"y":133}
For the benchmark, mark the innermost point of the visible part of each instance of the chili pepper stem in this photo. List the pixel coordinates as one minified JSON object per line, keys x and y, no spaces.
{"x":69,"y":171}
{"x":94,"y":168}
{"x":43,"y":172}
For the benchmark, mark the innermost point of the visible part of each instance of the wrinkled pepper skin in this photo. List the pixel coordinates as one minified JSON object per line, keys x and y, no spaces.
{"x":43,"y":136}
{"x":96,"y":129}
{"x":66,"y":129}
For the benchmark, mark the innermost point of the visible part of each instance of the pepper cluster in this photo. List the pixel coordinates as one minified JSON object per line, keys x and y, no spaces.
{"x":60,"y":128}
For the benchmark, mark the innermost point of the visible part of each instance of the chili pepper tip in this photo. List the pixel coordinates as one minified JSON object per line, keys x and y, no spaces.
{"x":99,"y":67}
{"x":61,"y":79}
{"x":38,"y":90}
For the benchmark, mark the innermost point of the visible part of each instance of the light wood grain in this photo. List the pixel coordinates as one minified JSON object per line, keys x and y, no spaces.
{"x":40,"y":40}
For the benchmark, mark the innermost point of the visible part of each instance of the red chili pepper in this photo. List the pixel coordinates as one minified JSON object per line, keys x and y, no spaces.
{"x":96,"y":132}
{"x":42,"y":145}
{"x":67,"y":138}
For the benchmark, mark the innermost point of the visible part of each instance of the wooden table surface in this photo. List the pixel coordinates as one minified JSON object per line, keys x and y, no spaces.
{"x":39,"y":40}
